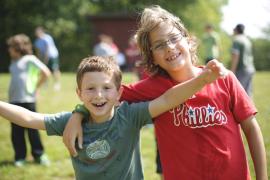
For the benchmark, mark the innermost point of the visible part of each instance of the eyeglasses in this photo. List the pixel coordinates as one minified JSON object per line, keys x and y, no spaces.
{"x":163,"y":45}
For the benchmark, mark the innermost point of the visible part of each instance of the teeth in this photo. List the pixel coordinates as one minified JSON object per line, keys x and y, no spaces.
{"x":173,"y":57}
{"x":99,"y":104}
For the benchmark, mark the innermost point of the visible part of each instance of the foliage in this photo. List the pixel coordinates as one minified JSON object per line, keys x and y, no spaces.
{"x":67,"y":21}
{"x":261,"y":54}
{"x":64,"y":20}
{"x":197,"y":15}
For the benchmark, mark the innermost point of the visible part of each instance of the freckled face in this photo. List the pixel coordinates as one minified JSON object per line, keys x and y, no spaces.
{"x":99,"y":95}
{"x":173,"y":57}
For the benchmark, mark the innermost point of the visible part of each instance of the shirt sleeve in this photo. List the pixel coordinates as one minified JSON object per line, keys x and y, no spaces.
{"x":137,"y":113}
{"x":235,"y":48}
{"x":40,"y":65}
{"x":56,"y":123}
{"x":241,"y":104}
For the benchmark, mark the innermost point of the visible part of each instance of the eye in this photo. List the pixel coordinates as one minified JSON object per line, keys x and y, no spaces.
{"x":159,"y":46}
{"x":175,"y":39}
{"x":107,"y":87}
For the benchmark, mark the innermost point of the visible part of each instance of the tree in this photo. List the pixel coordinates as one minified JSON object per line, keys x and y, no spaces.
{"x":66,"y":21}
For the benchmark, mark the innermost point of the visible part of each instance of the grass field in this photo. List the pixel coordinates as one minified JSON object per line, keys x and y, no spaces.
{"x":50,"y":101}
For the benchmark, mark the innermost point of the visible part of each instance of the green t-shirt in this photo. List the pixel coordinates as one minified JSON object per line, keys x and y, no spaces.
{"x":111,"y":150}
{"x":243,"y":47}
{"x":211,"y":45}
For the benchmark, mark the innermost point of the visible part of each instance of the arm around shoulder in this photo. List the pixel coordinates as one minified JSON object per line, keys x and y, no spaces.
{"x":255,"y":141}
{"x":72,"y":131}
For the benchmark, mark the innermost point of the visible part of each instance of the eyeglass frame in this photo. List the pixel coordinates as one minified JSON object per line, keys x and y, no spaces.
{"x":172,"y":40}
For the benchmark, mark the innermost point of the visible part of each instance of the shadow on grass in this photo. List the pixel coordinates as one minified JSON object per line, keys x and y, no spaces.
{"x":11,"y":163}
{"x":6,"y":163}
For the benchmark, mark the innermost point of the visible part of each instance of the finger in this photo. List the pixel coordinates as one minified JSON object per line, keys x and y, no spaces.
{"x":71,"y":147}
{"x":80,"y":140}
{"x":65,"y":139}
{"x":222,"y":70}
{"x":213,"y":66}
{"x":224,"y":73}
{"x":67,"y":144}
{"x":212,"y":62}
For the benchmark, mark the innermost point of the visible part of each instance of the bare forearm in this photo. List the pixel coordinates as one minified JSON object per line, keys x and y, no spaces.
{"x":175,"y":96}
{"x":181,"y":92}
{"x":44,"y":75}
{"x":21,"y":116}
{"x":257,"y":150}
{"x":258,"y":155}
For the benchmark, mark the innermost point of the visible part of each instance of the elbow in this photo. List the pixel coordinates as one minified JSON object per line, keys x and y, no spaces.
{"x":46,"y":74}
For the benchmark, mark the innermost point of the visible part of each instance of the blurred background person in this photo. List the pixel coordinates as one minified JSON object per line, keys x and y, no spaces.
{"x":133,"y":54}
{"x":104,"y":47}
{"x":46,"y":51}
{"x":211,"y":43}
{"x":28,"y":73}
{"x":107,"y":47}
{"x":242,"y":63}
{"x":134,"y":58}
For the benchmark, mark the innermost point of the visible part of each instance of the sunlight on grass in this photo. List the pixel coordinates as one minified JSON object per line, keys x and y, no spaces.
{"x":51,"y":101}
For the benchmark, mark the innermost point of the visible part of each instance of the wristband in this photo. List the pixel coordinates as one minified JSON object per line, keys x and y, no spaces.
{"x":80,"y":108}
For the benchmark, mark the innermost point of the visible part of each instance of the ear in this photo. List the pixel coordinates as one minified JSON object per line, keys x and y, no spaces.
{"x":79,"y":93}
{"x":120,"y":91}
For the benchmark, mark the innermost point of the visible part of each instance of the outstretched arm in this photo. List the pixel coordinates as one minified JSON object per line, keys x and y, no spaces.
{"x":255,"y":141}
{"x":21,"y":116}
{"x":181,"y":92}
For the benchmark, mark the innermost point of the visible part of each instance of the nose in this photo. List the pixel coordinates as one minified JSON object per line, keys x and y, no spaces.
{"x":99,"y":93}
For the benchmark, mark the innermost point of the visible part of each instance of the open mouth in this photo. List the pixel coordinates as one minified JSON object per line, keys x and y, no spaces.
{"x":98,"y":104}
{"x":172,"y":58}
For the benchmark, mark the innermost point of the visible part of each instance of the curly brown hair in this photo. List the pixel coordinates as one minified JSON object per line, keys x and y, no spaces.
{"x":21,"y":43}
{"x":151,"y":18}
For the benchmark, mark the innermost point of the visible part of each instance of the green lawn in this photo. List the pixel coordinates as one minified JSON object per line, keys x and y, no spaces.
{"x":64,"y":100}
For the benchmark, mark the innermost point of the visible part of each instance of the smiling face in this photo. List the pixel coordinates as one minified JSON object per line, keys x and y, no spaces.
{"x":98,"y":86}
{"x":174,"y":56}
{"x":99,"y":94}
{"x":160,"y":26}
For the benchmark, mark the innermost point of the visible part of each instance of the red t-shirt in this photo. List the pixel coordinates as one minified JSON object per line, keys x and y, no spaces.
{"x":201,"y":138}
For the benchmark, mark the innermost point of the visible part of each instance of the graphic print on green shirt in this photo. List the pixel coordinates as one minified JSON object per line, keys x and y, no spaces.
{"x":32,"y":78}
